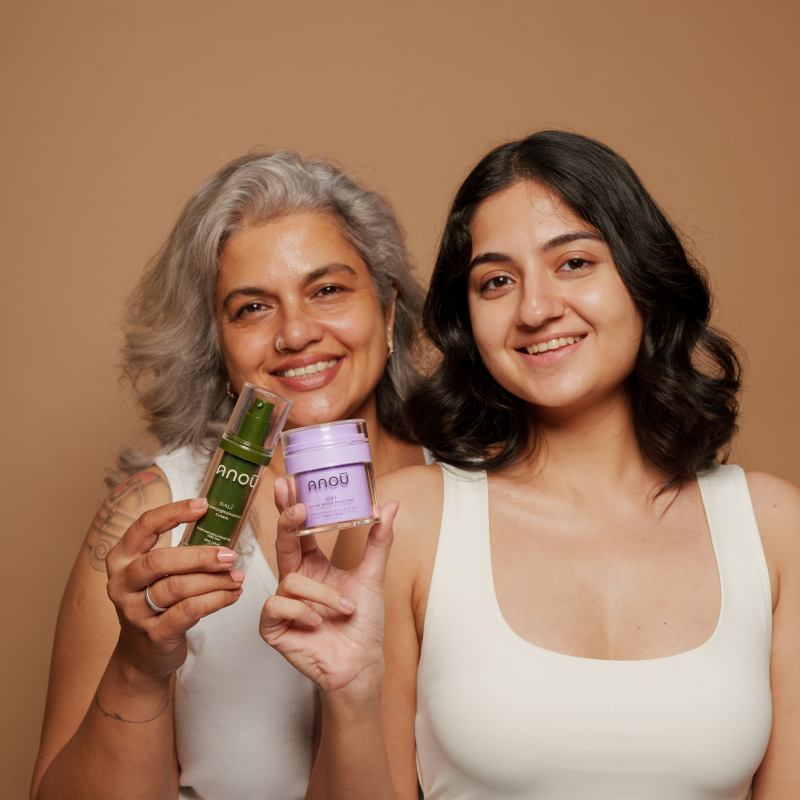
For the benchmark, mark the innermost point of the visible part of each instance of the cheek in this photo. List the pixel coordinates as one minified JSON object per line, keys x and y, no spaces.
{"x":490,"y":323}
{"x":610,"y":310}
{"x":243,"y":349}
{"x":361,"y":331}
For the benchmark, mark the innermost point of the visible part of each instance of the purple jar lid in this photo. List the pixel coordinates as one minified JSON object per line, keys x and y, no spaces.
{"x":328,"y":445}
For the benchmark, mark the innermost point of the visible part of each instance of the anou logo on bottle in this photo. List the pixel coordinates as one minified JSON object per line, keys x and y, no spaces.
{"x":329,"y":467}
{"x":241,"y":478}
{"x":330,"y":482}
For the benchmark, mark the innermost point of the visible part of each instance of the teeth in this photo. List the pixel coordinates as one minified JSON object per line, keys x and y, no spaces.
{"x":311,"y":369}
{"x":553,"y":344}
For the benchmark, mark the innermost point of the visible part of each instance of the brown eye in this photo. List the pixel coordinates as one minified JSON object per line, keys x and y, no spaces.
{"x":249,"y":309}
{"x":575,"y":264}
{"x":499,"y":282}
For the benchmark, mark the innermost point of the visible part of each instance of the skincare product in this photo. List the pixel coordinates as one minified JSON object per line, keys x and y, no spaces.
{"x":245,"y":449}
{"x":329,"y":470}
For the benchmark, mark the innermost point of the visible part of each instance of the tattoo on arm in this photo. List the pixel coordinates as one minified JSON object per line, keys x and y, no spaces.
{"x":116,"y":516}
{"x":129,"y":721}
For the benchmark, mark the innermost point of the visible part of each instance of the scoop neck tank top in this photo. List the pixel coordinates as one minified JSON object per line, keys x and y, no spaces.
{"x":500,"y":718}
{"x":244,"y":717}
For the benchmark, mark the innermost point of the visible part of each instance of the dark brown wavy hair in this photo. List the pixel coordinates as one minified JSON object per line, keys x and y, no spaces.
{"x":685,"y":383}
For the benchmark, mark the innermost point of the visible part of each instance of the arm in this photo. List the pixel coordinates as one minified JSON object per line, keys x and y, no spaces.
{"x":777,"y":508}
{"x":367,"y":743}
{"x":328,"y":623}
{"x":108,"y":725}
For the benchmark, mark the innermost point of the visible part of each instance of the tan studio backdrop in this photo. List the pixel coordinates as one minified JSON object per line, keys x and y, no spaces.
{"x":113,"y":113}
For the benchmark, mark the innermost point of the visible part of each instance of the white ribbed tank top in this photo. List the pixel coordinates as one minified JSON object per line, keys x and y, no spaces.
{"x":499,"y":718}
{"x":244,"y":717}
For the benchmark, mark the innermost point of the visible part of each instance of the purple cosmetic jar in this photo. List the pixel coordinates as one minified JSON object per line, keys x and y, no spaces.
{"x":329,"y":470}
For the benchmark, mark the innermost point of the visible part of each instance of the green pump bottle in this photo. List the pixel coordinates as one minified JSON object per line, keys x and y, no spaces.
{"x":233,"y":477}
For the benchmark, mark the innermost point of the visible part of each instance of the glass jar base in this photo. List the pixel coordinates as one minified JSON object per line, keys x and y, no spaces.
{"x":335,"y":526}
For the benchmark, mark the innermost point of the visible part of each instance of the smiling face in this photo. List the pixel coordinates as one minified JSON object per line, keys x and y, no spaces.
{"x":296,"y":282}
{"x":553,"y":321}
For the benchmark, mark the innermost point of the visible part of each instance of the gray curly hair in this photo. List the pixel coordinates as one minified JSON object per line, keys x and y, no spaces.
{"x":171,"y":352}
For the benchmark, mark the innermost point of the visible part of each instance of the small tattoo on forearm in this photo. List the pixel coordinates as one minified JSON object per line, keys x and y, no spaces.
{"x":129,"y":721}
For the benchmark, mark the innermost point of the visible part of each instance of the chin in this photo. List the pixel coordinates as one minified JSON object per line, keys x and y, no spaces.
{"x":314,"y":413}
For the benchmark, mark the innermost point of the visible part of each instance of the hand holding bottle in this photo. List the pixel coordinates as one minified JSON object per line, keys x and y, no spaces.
{"x":188,"y":582}
{"x":327,"y":622}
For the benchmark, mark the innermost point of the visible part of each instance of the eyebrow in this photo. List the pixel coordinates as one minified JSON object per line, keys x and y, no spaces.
{"x":315,"y":274}
{"x":558,"y":241}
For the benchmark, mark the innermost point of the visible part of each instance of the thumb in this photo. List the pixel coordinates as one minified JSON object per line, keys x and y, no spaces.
{"x":372,"y":566}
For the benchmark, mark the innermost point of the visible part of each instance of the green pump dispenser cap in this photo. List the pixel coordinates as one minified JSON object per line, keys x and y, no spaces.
{"x":249,"y":440}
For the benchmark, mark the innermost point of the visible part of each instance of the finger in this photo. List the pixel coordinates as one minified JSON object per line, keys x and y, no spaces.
{"x":177,"y":619}
{"x":279,"y":610}
{"x":288,"y":548}
{"x":156,"y":564}
{"x":372,"y":566}
{"x":281,"y":493}
{"x":143,"y":534}
{"x":301,"y":587}
{"x":174,"y":588}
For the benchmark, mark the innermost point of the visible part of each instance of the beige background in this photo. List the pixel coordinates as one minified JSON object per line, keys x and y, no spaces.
{"x":114,"y":112}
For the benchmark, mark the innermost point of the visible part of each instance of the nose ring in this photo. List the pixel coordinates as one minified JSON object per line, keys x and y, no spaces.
{"x":278,"y":343}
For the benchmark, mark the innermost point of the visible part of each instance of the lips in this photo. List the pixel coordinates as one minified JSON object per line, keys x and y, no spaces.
{"x":308,"y":372}
{"x":555,"y":343}
{"x":308,"y":369}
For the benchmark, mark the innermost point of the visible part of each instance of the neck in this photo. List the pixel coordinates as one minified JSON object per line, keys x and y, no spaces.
{"x":592,"y":448}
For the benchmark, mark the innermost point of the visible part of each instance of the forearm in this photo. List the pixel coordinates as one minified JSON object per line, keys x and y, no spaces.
{"x":123,"y":747}
{"x":352,"y":762}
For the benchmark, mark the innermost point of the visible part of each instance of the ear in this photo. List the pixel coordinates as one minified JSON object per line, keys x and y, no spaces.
{"x":389,"y":313}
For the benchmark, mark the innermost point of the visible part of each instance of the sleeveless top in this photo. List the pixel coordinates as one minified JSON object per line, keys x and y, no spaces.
{"x":244,"y":717}
{"x":500,"y":718}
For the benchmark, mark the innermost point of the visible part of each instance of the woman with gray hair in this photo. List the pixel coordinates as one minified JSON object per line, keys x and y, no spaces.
{"x":286,"y":274}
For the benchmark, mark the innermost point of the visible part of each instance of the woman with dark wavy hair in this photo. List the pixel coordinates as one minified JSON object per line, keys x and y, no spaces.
{"x":583,"y":600}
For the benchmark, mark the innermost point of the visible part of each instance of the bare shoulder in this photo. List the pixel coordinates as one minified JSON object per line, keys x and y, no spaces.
{"x":419,"y":490}
{"x":776,"y":504}
{"x":122,"y":507}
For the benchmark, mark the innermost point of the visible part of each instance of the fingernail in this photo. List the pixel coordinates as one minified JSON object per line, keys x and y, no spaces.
{"x":315,"y":618}
{"x":198,"y":502}
{"x":346,"y":603}
{"x":226,"y":555}
{"x":291,"y":512}
{"x":237,"y":575}
{"x":238,"y":591}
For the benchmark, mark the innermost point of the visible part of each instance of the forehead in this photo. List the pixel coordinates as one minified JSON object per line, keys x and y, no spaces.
{"x":286,"y":249}
{"x":526,"y":214}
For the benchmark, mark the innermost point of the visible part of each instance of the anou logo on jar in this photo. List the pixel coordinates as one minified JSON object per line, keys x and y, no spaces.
{"x":329,"y":468}
{"x":325,"y":483}
{"x":241,"y":478}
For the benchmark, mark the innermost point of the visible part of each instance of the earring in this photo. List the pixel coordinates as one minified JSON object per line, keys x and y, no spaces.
{"x":233,"y":396}
{"x":390,"y":342}
{"x":278,"y":343}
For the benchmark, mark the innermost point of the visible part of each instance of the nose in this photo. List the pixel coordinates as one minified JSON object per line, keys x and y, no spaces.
{"x":297,"y":328}
{"x":540,"y":301}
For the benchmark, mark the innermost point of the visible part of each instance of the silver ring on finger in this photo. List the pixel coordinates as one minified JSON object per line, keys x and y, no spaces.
{"x":151,"y":603}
